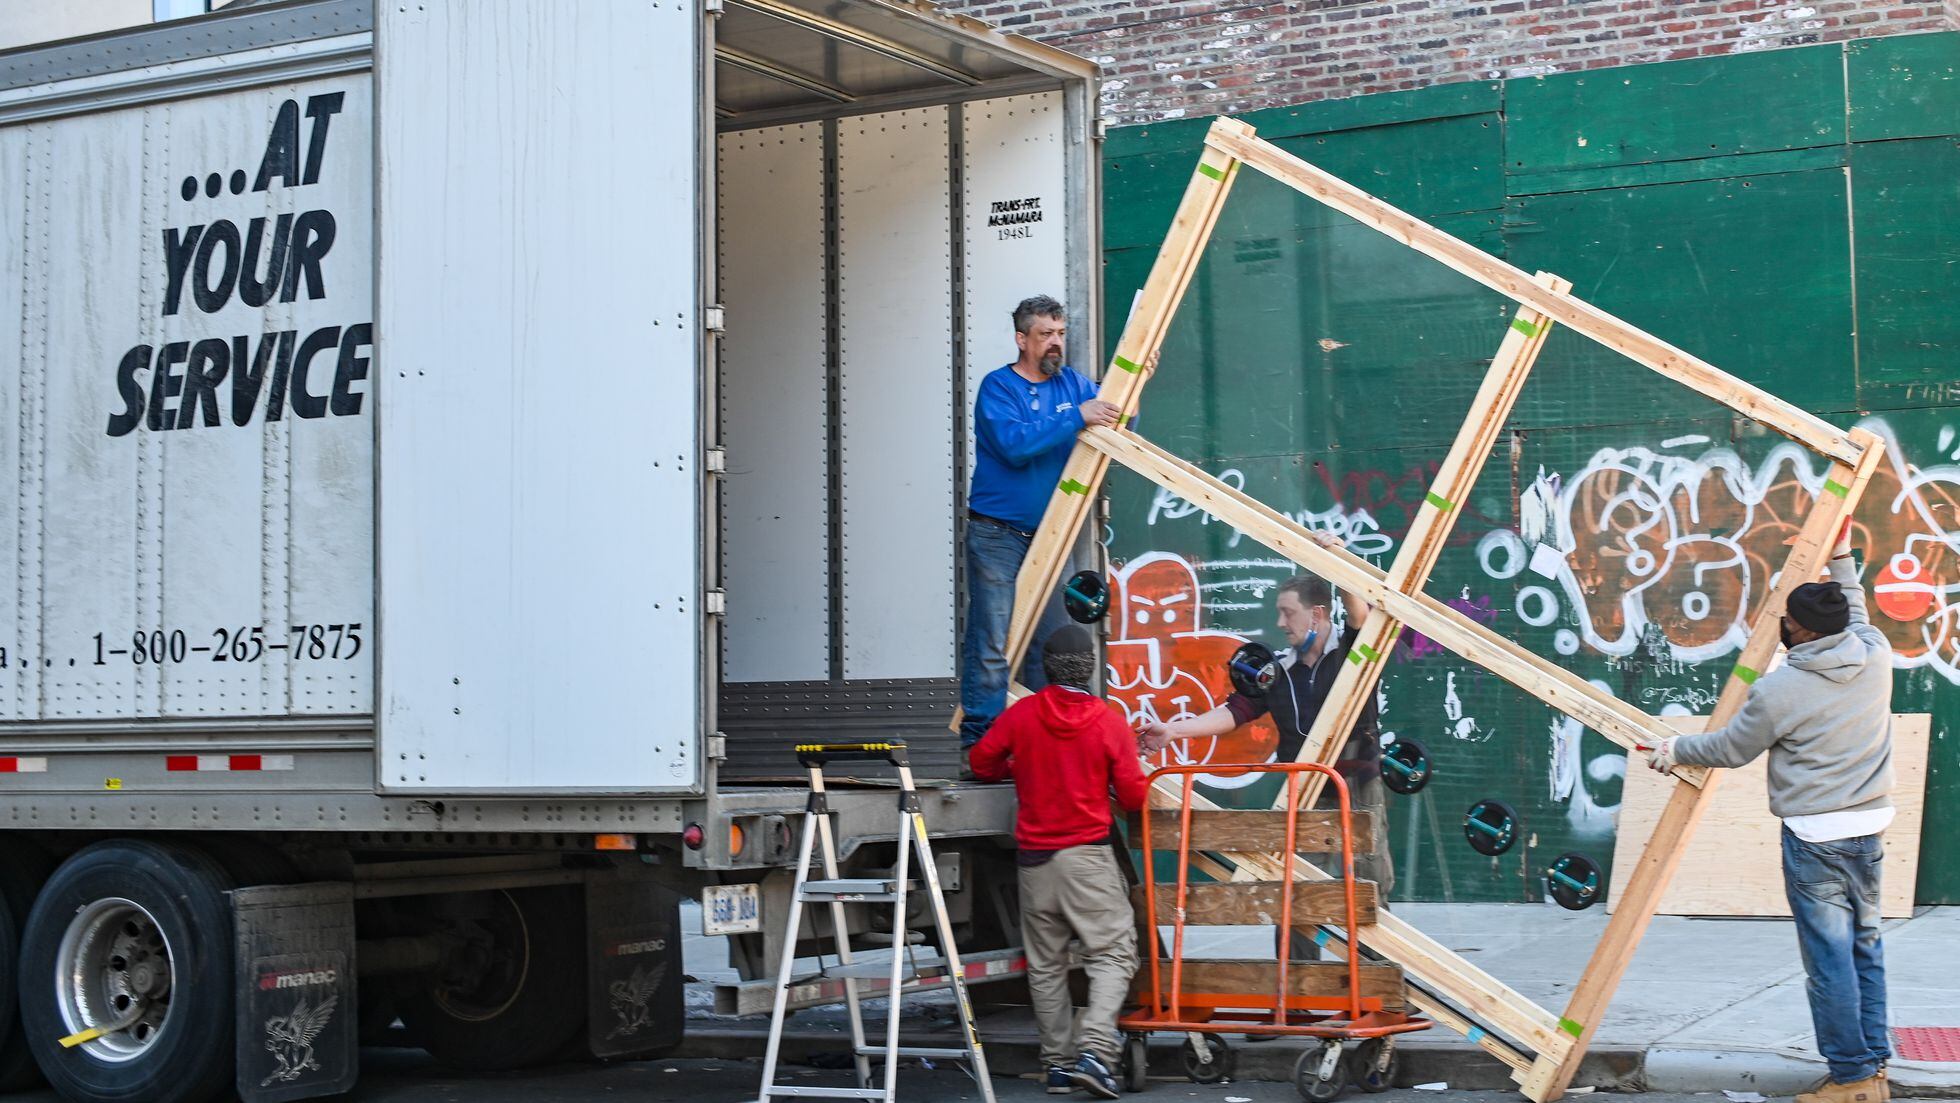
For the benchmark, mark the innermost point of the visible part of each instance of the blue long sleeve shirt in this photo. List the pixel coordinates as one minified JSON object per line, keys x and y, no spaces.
{"x":1022,"y":435}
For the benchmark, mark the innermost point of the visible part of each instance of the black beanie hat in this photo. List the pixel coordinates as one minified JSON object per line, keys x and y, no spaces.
{"x":1069,"y":639}
{"x":1820,"y":607}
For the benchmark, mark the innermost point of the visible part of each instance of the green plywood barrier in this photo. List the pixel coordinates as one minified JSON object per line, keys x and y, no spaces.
{"x":1767,"y":296}
{"x":1708,"y":107}
{"x":1616,"y":527}
{"x":1903,"y":87}
{"x":1908,"y":273}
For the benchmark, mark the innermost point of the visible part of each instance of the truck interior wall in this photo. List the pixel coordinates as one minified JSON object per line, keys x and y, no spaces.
{"x":775,"y":395}
{"x":921,"y":304}
{"x":897,"y":395}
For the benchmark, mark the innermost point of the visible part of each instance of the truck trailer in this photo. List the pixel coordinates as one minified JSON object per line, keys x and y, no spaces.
{"x":459,"y":448}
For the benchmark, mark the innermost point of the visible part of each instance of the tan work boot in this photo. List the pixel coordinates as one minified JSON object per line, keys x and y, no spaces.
{"x":1872,"y":1089}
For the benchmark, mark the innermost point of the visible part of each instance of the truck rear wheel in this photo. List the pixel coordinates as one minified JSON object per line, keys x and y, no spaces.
{"x":132,"y":939}
{"x":515,"y":995}
{"x":23,"y":868}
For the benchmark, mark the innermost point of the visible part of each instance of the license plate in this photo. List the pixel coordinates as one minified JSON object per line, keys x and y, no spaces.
{"x":730,"y":909}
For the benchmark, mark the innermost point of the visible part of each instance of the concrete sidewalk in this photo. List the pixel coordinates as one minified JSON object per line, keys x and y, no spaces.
{"x":1707,"y":1004}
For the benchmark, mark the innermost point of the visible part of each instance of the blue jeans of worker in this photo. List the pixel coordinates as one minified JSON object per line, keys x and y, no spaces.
{"x":993,"y":558}
{"x":1833,"y":890}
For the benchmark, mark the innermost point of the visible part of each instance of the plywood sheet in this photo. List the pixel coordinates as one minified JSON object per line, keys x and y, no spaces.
{"x":1904,"y":86}
{"x":1734,"y":866}
{"x":1708,"y":107}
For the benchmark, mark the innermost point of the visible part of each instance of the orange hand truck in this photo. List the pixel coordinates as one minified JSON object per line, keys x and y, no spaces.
{"x":1201,"y":1001}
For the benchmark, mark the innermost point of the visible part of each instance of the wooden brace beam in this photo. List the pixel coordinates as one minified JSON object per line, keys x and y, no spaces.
{"x":1554,"y":685}
{"x":1122,"y":384}
{"x":1551,"y":1074}
{"x":1355,"y":685}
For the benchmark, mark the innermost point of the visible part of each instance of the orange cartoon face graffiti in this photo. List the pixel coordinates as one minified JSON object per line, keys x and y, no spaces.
{"x":1164,"y":665}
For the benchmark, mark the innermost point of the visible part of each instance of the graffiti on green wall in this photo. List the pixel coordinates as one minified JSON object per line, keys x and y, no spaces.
{"x":1623,"y":527}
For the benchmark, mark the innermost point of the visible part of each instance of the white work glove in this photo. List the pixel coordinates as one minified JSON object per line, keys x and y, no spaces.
{"x":1661,"y":758}
{"x":1843,"y":549}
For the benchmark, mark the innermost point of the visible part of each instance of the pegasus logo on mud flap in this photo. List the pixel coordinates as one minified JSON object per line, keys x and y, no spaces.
{"x":289,"y":1038}
{"x":630,"y":997}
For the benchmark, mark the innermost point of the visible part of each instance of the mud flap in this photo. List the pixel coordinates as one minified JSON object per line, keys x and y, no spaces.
{"x":635,"y":986}
{"x":294,"y":952}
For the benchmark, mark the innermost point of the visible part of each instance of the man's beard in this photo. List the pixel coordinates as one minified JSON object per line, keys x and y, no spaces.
{"x":1051,"y":363}
{"x":1784,"y":630}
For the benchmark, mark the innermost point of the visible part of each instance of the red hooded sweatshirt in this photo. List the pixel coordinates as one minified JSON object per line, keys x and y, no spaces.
{"x":1064,"y":749}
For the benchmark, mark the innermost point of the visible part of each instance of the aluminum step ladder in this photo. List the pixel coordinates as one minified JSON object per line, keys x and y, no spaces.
{"x":839,"y":892}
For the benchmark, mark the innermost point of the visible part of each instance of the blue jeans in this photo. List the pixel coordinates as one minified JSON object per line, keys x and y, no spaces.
{"x":993,"y":558}
{"x":1833,"y":890}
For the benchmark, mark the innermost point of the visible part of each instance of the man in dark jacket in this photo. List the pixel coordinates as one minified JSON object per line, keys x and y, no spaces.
{"x":1066,"y":749}
{"x":1825,"y":720}
{"x":1313,"y":659}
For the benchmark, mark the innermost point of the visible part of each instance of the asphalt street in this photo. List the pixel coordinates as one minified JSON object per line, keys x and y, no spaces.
{"x":401,"y":1076}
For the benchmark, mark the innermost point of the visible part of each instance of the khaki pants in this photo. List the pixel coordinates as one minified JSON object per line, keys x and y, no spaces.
{"x":1369,"y":865}
{"x":1079,"y":893}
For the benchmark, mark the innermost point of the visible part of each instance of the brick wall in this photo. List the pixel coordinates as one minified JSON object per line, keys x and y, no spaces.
{"x":1203,"y":57}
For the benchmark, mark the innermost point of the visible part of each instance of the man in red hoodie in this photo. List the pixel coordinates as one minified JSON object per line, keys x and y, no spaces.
{"x":1066,"y":749}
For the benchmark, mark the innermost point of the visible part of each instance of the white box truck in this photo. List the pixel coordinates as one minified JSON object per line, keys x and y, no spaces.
{"x":457,"y":448}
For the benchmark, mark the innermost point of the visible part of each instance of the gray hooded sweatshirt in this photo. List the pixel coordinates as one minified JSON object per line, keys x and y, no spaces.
{"x":1824,"y":716}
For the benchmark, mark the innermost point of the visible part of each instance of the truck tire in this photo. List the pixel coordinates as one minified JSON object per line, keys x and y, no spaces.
{"x":23,"y":868}
{"x":519,"y":996}
{"x":9,"y":956}
{"x":132,"y":920}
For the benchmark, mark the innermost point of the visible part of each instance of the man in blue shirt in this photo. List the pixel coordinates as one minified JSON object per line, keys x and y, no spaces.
{"x":1024,"y":423}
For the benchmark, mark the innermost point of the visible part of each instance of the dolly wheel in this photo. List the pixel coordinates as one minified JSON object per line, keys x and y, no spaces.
{"x":1372,"y":1065}
{"x":1308,"y":1073}
{"x":1136,"y":1062}
{"x":1211,"y":1071}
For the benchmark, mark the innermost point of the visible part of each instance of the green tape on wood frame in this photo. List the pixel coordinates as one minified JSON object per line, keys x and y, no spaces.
{"x":1439,"y":501}
{"x":1525,"y":327}
{"x":1070,"y":486}
{"x":1361,"y":653}
{"x":1837,"y":488}
{"x":1571,"y":1028}
{"x":1747,"y":675}
{"x":1127,"y":365}
{"x":1215,"y":174}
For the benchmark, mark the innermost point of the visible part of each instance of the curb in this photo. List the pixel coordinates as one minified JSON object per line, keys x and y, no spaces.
{"x":1461,"y":1065}
{"x":1776,"y":1072}
{"x":1464,"y":1067}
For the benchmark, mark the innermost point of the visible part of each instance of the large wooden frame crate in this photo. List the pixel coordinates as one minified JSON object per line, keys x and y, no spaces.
{"x":1542,"y":1047}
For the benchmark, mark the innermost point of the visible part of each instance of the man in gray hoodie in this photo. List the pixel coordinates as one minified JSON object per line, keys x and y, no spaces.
{"x":1825,"y":717}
